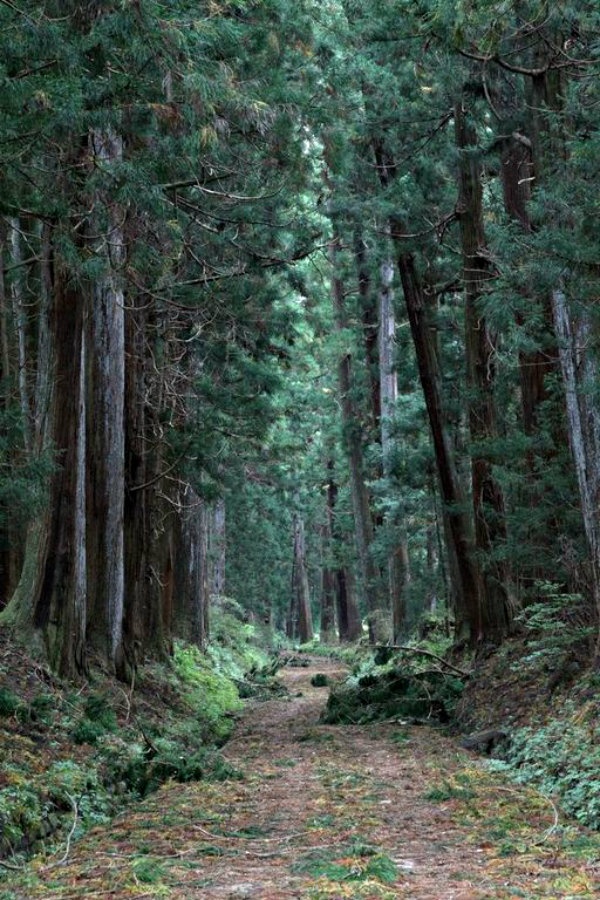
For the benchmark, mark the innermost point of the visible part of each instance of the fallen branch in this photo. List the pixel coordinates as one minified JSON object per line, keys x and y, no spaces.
{"x":10,"y":866}
{"x":427,"y":653}
{"x":65,"y":856}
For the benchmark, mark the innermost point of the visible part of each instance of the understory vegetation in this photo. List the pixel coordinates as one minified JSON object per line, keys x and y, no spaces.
{"x":74,"y":755}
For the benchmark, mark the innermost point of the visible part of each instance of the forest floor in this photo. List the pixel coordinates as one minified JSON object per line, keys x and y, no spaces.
{"x":326,"y":811}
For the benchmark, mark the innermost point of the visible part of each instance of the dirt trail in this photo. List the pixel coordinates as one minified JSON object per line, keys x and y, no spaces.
{"x":385,"y":811}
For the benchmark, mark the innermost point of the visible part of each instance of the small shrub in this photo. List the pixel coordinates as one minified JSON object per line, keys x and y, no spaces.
{"x":97,"y":708}
{"x":557,"y":627}
{"x":42,"y":708}
{"x":86,"y":732}
{"x":9,"y":702}
{"x":319,"y":680}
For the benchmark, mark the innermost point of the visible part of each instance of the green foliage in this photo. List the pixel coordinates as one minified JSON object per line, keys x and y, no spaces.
{"x":32,"y":808}
{"x":562,"y":759}
{"x":320,"y":680}
{"x":560,"y":631}
{"x":448,"y":791}
{"x":375,"y":693}
{"x":99,"y":718}
{"x":147,"y":870}
{"x":86,"y":732}
{"x":355,"y":862}
{"x":42,"y":709}
{"x":97,"y":708}
{"x":125,"y":758}
{"x":9,"y":702}
{"x":22,"y":479}
{"x":236,"y":644}
{"x":141,"y":769}
{"x":210,"y":693}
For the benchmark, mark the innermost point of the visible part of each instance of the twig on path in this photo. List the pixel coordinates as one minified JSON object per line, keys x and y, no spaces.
{"x":11,"y":867}
{"x":427,"y":653}
{"x":552,"y":827}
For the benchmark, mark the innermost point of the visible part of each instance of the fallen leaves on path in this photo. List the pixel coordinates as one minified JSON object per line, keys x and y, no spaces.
{"x":375,"y":812}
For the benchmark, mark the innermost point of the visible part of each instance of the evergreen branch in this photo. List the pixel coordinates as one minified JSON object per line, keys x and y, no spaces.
{"x":4,"y":864}
{"x":268,"y":263}
{"x":427,"y":653}
{"x":194,"y":208}
{"x":16,"y":9}
{"x":551,"y":65}
{"x":163,"y":474}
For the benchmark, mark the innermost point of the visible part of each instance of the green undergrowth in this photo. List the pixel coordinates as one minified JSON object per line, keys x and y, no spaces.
{"x":561,"y":759}
{"x":557,"y":749}
{"x":72,"y":756}
{"x":349,"y":864}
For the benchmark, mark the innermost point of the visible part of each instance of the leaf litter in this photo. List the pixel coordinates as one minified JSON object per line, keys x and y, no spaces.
{"x":378,"y":811}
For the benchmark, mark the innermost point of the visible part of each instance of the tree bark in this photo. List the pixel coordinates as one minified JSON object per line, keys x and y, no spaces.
{"x":20,"y":325}
{"x":50,"y":599}
{"x":377,"y":615}
{"x":497,"y":608}
{"x":219,"y":542}
{"x":300,"y":583}
{"x":458,"y":531}
{"x":106,"y":433}
{"x":399,"y":560}
{"x":191,"y":576}
{"x":348,"y":615}
{"x":581,"y":374}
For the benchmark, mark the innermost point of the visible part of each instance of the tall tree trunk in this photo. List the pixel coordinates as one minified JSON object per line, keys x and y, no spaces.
{"x":348,"y":615}
{"x":581,"y":375}
{"x":106,"y":434}
{"x":370,"y":327}
{"x":458,"y":531}
{"x":327,"y":619}
{"x":219,"y":542}
{"x":20,"y":325}
{"x":488,"y":500}
{"x":399,"y":561}
{"x":377,"y":615}
{"x":327,"y":623}
{"x":43,"y":390}
{"x":300,"y":584}
{"x":536,"y":366}
{"x":191,"y":577}
{"x":50,"y":599}
{"x":7,"y":540}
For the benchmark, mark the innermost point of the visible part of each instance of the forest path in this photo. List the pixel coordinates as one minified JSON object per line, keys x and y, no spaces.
{"x":381,"y":811}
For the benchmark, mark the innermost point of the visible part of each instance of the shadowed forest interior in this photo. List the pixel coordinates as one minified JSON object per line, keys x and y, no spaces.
{"x":299,"y":348}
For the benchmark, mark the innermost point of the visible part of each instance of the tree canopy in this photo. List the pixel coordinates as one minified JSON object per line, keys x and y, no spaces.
{"x":299,"y":306}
